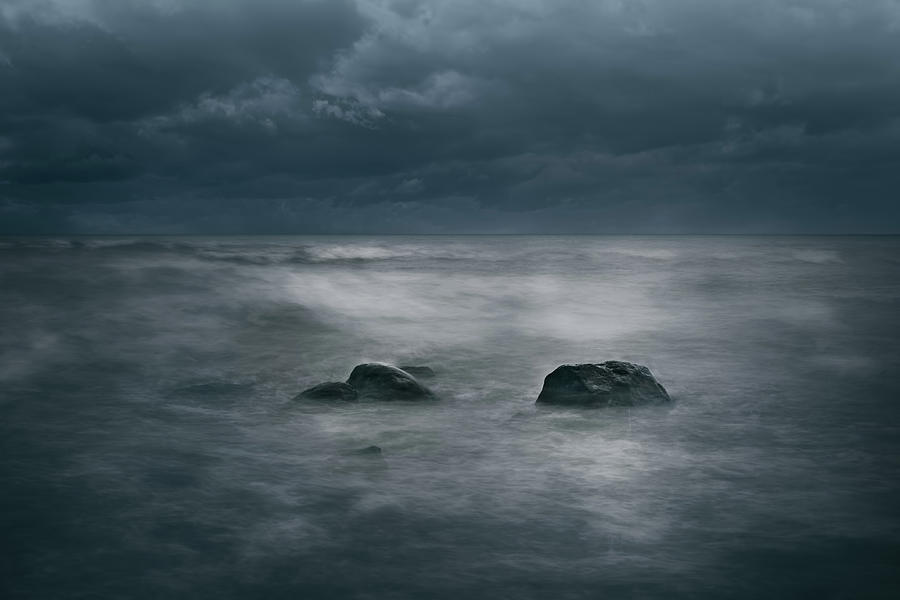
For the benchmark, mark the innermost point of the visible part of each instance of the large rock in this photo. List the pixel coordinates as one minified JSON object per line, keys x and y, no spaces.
{"x":383,"y":382}
{"x":611,"y":383}
{"x":332,"y":390}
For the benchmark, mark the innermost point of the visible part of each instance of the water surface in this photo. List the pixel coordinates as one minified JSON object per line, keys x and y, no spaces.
{"x":151,"y":447}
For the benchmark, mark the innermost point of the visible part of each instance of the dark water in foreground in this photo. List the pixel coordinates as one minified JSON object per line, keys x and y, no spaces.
{"x":150,"y":448}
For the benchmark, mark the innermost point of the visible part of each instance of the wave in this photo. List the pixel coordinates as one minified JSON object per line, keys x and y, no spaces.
{"x":354,"y":253}
{"x":820,"y":257}
{"x":240,"y":252}
{"x":533,"y":253}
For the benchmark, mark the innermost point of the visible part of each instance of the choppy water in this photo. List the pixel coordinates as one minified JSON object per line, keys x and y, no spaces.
{"x":150,"y":448}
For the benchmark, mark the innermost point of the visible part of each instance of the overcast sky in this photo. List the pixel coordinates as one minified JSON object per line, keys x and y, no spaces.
{"x":394,"y":116}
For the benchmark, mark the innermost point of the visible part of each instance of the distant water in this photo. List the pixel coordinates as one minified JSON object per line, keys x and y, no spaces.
{"x":150,"y":447}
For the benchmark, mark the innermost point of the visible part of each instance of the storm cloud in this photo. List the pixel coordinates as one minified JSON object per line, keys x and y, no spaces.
{"x":269,"y":116}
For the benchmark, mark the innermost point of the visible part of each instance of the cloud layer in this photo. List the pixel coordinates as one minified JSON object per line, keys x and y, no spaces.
{"x":441,"y":116}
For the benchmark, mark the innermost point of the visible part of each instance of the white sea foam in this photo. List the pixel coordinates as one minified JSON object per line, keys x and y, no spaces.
{"x":820,"y":257}
{"x":353,"y":252}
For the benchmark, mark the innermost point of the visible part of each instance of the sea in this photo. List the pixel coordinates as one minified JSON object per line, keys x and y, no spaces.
{"x":152,"y":446}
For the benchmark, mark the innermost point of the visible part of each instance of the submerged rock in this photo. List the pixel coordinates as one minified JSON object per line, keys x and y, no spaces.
{"x":384,"y":382}
{"x":365,"y":462}
{"x":611,"y":383}
{"x":367,"y":451}
{"x":332,"y":390}
{"x":418,"y":371}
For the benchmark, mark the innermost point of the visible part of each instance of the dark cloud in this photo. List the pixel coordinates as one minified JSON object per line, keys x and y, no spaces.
{"x":379,"y":115}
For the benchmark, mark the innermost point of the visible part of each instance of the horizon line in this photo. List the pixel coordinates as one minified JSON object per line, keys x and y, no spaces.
{"x":433,"y":234}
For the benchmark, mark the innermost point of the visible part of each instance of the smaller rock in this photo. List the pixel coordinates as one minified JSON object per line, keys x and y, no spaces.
{"x":367,"y":451}
{"x":426,"y":372}
{"x":384,"y":382}
{"x":332,"y":390}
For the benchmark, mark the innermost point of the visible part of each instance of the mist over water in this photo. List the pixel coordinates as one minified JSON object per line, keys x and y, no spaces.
{"x":151,"y":447}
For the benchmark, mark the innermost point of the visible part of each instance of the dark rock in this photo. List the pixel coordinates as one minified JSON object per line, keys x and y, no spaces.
{"x":332,"y":390}
{"x":425,"y":372}
{"x":367,"y":451}
{"x":384,"y":382}
{"x":612,"y":383}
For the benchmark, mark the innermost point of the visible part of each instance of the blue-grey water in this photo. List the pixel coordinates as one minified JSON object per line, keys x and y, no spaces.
{"x":151,"y":447}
